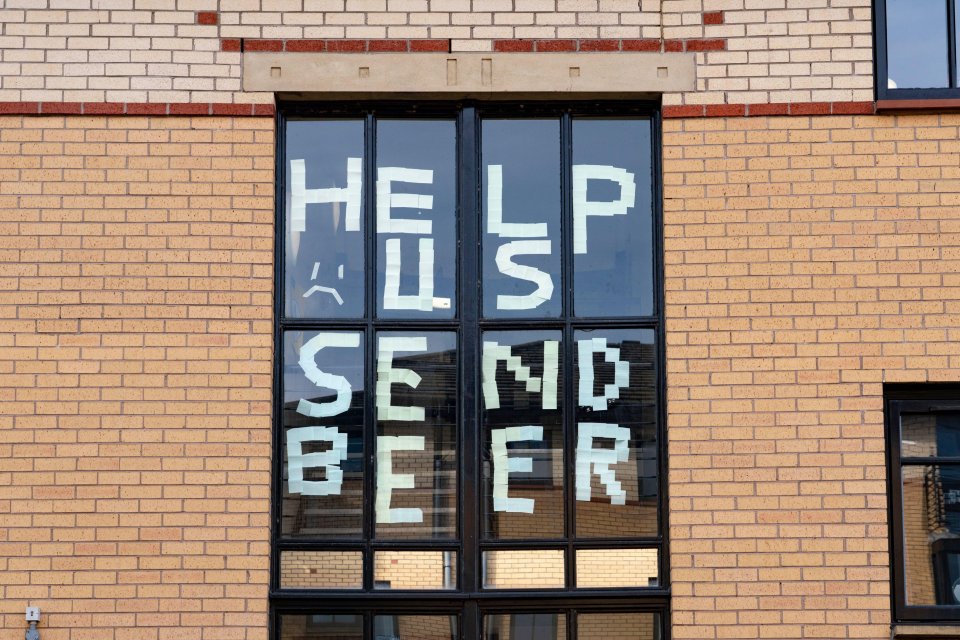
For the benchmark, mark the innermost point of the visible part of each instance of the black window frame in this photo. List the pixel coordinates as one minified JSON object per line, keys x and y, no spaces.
{"x":899,"y":399}
{"x":470,"y":601}
{"x":883,"y":92}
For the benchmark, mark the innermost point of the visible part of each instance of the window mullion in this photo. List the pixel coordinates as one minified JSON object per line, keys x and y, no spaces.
{"x":469,"y":301}
{"x":952,"y":43}
{"x":370,"y":300}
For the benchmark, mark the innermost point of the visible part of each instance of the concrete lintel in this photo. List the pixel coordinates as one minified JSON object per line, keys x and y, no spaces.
{"x":477,"y":75}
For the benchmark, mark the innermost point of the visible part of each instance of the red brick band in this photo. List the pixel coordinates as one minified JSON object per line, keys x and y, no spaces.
{"x":770,"y":109}
{"x":335,"y":46}
{"x":137,"y":109}
{"x":268,"y":110}
{"x":611,"y":44}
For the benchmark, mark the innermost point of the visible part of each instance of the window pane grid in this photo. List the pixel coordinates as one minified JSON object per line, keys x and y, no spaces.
{"x":371,"y":325}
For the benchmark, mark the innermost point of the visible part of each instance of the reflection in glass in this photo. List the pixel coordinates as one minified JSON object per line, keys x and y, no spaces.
{"x":525,"y":430}
{"x":416,"y":218}
{"x":523,"y":569}
{"x":416,"y":400}
{"x":612,"y":218}
{"x":321,"y":570}
{"x":618,"y":626}
{"x":931,"y":528}
{"x":324,"y":242}
{"x":525,"y":626}
{"x":599,"y":568}
{"x":930,"y":434}
{"x":616,"y":430}
{"x":406,"y":627}
{"x":916,"y":44}
{"x":321,"y":627}
{"x":415,"y":570}
{"x":324,"y":428}
{"x":521,"y":218}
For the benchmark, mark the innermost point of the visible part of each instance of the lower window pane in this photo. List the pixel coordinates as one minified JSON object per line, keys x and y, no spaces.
{"x":931,"y":531}
{"x":616,"y":568}
{"x":415,"y":570}
{"x":523,"y":569}
{"x":415,"y":628}
{"x":525,"y":626}
{"x":322,"y":627}
{"x":618,"y":626}
{"x":321,"y":570}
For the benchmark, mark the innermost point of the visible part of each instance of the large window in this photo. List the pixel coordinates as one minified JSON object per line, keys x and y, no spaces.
{"x":916,"y":43}
{"x":924,"y":430}
{"x":469,"y":370}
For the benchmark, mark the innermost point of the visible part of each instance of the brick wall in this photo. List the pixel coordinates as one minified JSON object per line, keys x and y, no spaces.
{"x":808,"y":261}
{"x":135,"y":376}
{"x":176,"y":51}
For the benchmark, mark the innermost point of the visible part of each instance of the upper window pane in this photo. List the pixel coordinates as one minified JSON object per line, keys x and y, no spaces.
{"x":917,"y":44}
{"x":616,"y":448}
{"x":416,"y":218}
{"x":521,"y":218}
{"x":930,"y":435}
{"x":612,"y":218}
{"x":323,"y":421}
{"x":416,"y":457}
{"x":324,"y":219}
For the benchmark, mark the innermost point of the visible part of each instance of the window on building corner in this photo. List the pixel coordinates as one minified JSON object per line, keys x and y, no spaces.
{"x":924,"y":437}
{"x":470,"y":399}
{"x":917,"y":52}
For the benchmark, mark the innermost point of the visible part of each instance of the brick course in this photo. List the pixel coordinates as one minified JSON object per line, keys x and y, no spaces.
{"x":136,"y":375}
{"x":178,"y":51}
{"x":809,"y":259}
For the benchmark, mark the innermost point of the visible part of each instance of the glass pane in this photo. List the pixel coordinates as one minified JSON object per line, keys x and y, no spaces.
{"x":323,"y":398}
{"x":415,"y":628}
{"x":616,"y":568}
{"x":321,"y":570}
{"x":523,"y":569}
{"x":525,"y":626}
{"x":612,"y":218}
{"x":916,"y":44}
{"x":416,"y":218}
{"x":415,"y":570}
{"x":930,"y":434}
{"x":325,"y":217}
{"x":522,"y":434}
{"x":616,"y":432}
{"x":416,"y":399}
{"x":931,"y":531}
{"x":618,"y":626}
{"x":321,"y":627}
{"x":521,"y":218}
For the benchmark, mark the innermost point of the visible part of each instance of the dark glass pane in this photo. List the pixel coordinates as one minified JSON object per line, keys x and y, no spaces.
{"x":323,"y":434}
{"x":422,"y":570}
{"x":415,"y":627}
{"x":416,"y":399}
{"x":616,"y":432}
{"x":525,"y":626}
{"x":521,"y":218}
{"x":321,"y":570}
{"x":324,"y":219}
{"x":612,"y":218}
{"x":416,"y":218}
{"x":522,"y":402}
{"x":523,"y":569}
{"x":931,"y":534}
{"x":916,"y":44}
{"x":321,"y":627}
{"x":618,"y":626}
{"x":930,"y":434}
